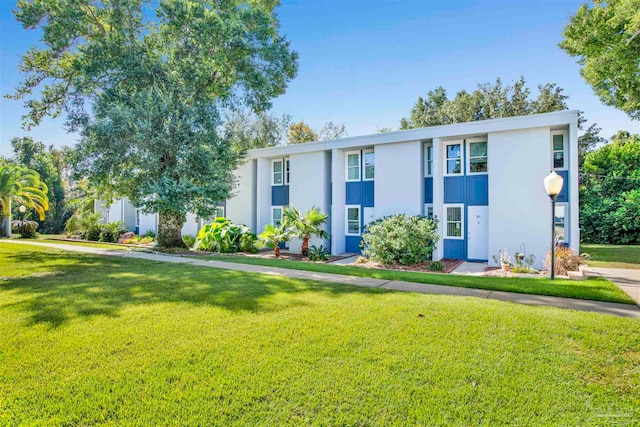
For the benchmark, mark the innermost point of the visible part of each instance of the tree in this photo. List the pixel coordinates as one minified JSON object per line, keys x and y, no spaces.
{"x":384,"y":130}
{"x":51,"y":165}
{"x":609,"y":192}
{"x":155,"y":87}
{"x":248,"y":130}
{"x":332,"y":130}
{"x":301,"y":132}
{"x":305,"y":226}
{"x":272,"y":236}
{"x":488,"y":101}
{"x":605,"y":37}
{"x":21,"y":186}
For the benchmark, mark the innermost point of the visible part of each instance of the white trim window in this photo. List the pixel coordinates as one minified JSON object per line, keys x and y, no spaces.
{"x":428,"y":159}
{"x":287,"y":170}
{"x":428,"y":210}
{"x":276,"y":215}
{"x":218,"y":212}
{"x":478,"y":157}
{"x":560,"y":222}
{"x":277,"y":173}
{"x":138,"y":212}
{"x":454,"y":226}
{"x":352,"y":218}
{"x":453,"y":159}
{"x":369,"y":157}
{"x":352,"y":164}
{"x":559,"y":150}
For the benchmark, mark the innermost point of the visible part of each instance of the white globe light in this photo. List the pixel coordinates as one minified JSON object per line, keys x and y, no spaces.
{"x":553,"y":184}
{"x":22,"y":209}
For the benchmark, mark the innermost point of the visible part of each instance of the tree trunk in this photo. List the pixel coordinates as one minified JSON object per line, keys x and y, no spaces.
{"x":170,"y":230}
{"x":305,"y":246}
{"x":276,"y":250}
{"x":7,"y":218}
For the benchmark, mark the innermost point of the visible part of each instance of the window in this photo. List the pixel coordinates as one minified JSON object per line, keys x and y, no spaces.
{"x":277,"y":172}
{"x":478,"y":157}
{"x":286,"y":170}
{"x":558,"y":149}
{"x":353,"y":220}
{"x":559,"y":223}
{"x":369,"y":165}
{"x":428,"y":210}
{"x":138,"y":217}
{"x":428,"y":160}
{"x":454,"y":164}
{"x":454,"y":228}
{"x":353,"y":166}
{"x":276,"y":216}
{"x":218,"y":212}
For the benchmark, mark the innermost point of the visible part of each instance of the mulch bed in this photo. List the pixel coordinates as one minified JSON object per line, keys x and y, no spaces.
{"x":449,"y":266}
{"x":268,"y":254}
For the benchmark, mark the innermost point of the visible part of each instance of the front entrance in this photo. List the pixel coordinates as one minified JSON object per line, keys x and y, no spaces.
{"x":478,"y":232}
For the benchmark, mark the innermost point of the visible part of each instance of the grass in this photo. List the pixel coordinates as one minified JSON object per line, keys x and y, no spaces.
{"x":598,"y":289}
{"x":612,"y":256}
{"x":100,"y":245}
{"x":109,"y":341}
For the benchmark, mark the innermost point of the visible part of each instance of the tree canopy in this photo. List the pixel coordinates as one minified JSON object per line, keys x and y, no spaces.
{"x":301,"y":132}
{"x":605,"y":37}
{"x":146,"y":91}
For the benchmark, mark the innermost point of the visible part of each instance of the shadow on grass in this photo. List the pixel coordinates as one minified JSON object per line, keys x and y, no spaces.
{"x":83,"y":285}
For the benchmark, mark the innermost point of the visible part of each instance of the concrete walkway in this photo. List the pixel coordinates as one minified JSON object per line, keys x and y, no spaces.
{"x":625,"y":310}
{"x":626,"y":279}
{"x":470,"y":268}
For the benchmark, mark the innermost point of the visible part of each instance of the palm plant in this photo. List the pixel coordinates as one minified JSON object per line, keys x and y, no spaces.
{"x":304,"y":227}
{"x":272,"y":236}
{"x":23,"y":186}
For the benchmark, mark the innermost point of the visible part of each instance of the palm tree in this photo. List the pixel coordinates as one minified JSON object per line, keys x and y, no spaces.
{"x":304,"y":227}
{"x":272,"y":236}
{"x":23,"y":186}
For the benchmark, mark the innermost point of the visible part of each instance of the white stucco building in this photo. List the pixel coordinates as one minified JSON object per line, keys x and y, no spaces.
{"x":482,"y":180}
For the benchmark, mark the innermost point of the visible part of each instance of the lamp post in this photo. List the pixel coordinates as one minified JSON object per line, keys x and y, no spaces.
{"x":553,"y":185}
{"x":22,"y":209}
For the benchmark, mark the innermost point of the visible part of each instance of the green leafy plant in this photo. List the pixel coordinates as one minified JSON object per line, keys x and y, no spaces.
{"x":25,"y":227}
{"x":150,"y":233}
{"x":221,"y":235}
{"x":400,"y":239}
{"x":188,"y":240}
{"x":436,"y":266}
{"x":318,"y":253}
{"x":271,"y":238}
{"x":305,"y":226}
{"x":247,"y":243}
{"x":111,"y":232}
{"x":503,"y":258}
{"x":21,"y":186}
{"x":138,"y":240}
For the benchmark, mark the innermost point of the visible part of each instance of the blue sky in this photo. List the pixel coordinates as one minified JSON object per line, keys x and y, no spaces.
{"x":364,"y":63}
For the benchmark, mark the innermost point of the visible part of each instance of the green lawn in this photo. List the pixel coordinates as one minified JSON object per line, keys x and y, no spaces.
{"x":89,"y":340}
{"x":612,"y":256}
{"x":598,"y":289}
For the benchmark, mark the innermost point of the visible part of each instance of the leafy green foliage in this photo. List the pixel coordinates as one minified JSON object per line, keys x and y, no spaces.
{"x":247,"y":243}
{"x":318,"y":253}
{"x":25,"y":227}
{"x":305,"y":226}
{"x":111,"y":232}
{"x":188,"y":240}
{"x":21,"y":186}
{"x":610,"y":194}
{"x":605,"y":37}
{"x":301,"y":132}
{"x":488,"y":101}
{"x":150,"y":233}
{"x":399,"y":239}
{"x":247,"y":130}
{"x":436,"y":266}
{"x":145,"y":94}
{"x":221,"y":235}
{"x":272,"y":236}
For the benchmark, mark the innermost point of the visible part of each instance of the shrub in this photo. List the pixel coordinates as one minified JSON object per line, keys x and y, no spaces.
{"x":111,"y":232}
{"x":272,"y":236}
{"x":26,"y":229}
{"x":221,"y":235}
{"x":305,"y":226}
{"x":566,"y":260}
{"x":138,"y":240}
{"x":436,"y":266}
{"x":318,"y":253}
{"x":150,"y":233}
{"x":400,"y":239}
{"x":247,"y":243}
{"x":189,"y":240}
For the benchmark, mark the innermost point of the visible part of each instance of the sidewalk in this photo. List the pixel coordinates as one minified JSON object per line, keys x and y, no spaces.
{"x":626,"y":279}
{"x":623,"y":310}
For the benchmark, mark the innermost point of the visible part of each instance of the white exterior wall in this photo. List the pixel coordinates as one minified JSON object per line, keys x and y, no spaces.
{"x":191,"y":225}
{"x":148,"y":222}
{"x":574,"y":179}
{"x":309,"y":173}
{"x":519,"y":208}
{"x":399,"y":179}
{"x":338,"y":189}
{"x":437,"y":171}
{"x":241,"y":207}
{"x":263,"y":194}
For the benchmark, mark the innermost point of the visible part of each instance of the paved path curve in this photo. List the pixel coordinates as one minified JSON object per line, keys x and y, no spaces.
{"x":628,"y":280}
{"x":624,"y":310}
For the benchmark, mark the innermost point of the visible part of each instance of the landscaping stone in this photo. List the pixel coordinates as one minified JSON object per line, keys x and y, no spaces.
{"x":125,"y":236}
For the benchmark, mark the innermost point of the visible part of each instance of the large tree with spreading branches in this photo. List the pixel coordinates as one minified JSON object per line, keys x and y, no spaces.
{"x":144,"y":83}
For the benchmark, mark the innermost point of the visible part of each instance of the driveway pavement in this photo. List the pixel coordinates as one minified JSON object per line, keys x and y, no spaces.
{"x":628,"y":280}
{"x":624,"y":310}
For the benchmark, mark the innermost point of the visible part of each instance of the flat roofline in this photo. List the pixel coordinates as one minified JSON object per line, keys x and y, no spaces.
{"x":556,"y":118}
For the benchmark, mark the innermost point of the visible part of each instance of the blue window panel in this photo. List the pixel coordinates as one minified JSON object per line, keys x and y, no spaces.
{"x":352,"y":244}
{"x":279,"y":195}
{"x":454,"y":249}
{"x":454,"y":189}
{"x":353,"y":193}
{"x":477,"y":190}
{"x":564,"y":193}
{"x":428,"y":190}
{"x":367,"y":194}
{"x":138,"y":231}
